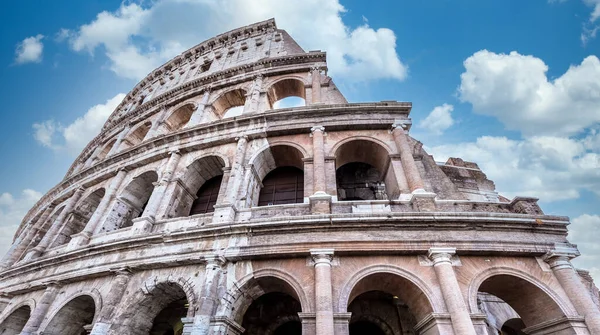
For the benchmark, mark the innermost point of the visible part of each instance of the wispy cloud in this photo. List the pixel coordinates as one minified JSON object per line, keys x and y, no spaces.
{"x":29,"y":50}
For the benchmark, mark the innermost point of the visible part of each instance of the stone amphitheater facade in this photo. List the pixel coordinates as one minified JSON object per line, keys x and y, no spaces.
{"x":183,"y":217}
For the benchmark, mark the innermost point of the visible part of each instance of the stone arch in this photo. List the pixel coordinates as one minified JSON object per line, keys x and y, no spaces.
{"x":278,"y":176}
{"x":235,"y":302}
{"x":136,"y":135}
{"x":180,"y":116}
{"x":15,"y":319}
{"x":421,"y":304}
{"x":106,"y":149}
{"x":146,"y":304}
{"x":363,"y":170}
{"x":520,"y":291}
{"x":77,"y":311}
{"x":45,"y":226}
{"x":200,"y":186}
{"x":79,"y":217}
{"x":227,"y":100}
{"x":131,"y":201}
{"x":289,"y":86}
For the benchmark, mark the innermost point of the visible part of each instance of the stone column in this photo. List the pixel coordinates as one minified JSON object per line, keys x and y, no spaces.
{"x":223,"y":186}
{"x":411,"y":171}
{"x":316,"y":85}
{"x":90,"y":228}
{"x":92,"y":157}
{"x":156,"y":124}
{"x":144,"y":223}
{"x":199,"y":112}
{"x":459,"y":314}
{"x":323,"y":290}
{"x":115,"y":147}
{"x":200,"y":323}
{"x":112,"y":300}
{"x":38,"y":314}
{"x":570,"y":281}
{"x":56,"y":225}
{"x":225,"y":211}
{"x":320,"y":185}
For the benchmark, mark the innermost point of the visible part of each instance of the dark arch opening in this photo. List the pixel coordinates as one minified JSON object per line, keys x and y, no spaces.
{"x":513,"y":327}
{"x":76,"y":221}
{"x":518,"y":299}
{"x":207,"y":196}
{"x":365,"y":328}
{"x":14,"y":323}
{"x":105,"y":150}
{"x":284,"y":185}
{"x":363,"y":172}
{"x":136,"y":135}
{"x":265,"y":315}
{"x":74,"y":318}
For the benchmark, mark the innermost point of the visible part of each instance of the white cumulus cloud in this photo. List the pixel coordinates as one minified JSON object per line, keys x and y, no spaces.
{"x":30,"y":50}
{"x":584,"y":231}
{"x":137,"y":39}
{"x":74,"y":136}
{"x":12,"y":211}
{"x":439,"y":119}
{"x":515,"y":89}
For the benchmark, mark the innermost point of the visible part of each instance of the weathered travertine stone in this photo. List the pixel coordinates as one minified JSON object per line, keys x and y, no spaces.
{"x":41,"y":309}
{"x":323,"y":292}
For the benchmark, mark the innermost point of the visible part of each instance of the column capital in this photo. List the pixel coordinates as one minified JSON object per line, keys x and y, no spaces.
{"x":175,"y":152}
{"x":79,"y":190}
{"x":52,"y":285}
{"x":441,"y":255}
{"x":242,"y":138}
{"x":402,"y":125}
{"x":317,"y":128}
{"x":213,"y":261}
{"x":322,"y":256}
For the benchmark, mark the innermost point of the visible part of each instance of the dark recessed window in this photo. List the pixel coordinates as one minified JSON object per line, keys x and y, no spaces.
{"x":207,"y":196}
{"x":284,"y":185}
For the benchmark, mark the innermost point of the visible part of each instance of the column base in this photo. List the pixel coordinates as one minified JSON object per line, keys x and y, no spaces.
{"x":320,"y":203}
{"x":224,"y":213}
{"x":78,"y":240}
{"x":423,"y":201}
{"x":142,"y":225}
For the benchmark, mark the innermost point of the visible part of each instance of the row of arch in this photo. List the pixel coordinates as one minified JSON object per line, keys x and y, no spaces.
{"x":286,"y":92}
{"x":381,"y":299}
{"x":273,"y":176}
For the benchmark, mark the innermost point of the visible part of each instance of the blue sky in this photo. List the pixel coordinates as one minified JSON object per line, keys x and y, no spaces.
{"x":512,"y":85}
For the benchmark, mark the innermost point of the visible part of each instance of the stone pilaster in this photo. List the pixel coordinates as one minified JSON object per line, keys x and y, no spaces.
{"x":144,"y":223}
{"x":413,"y":177}
{"x":316,"y":85}
{"x":154,"y":129}
{"x":559,"y":261}
{"x":117,"y":145}
{"x":254,"y":95}
{"x":112,"y":300}
{"x":200,"y":323}
{"x":320,"y":201}
{"x":198,"y":114}
{"x":323,"y":291}
{"x":56,"y":226}
{"x":459,"y":314}
{"x":41,"y":308}
{"x":225,"y":212}
{"x":90,"y":228}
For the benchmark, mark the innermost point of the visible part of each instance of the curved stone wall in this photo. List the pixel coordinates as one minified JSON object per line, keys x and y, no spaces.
{"x":325,"y":218}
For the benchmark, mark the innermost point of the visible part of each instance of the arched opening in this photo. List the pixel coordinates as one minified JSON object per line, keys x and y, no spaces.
{"x":268,"y":305}
{"x":280,"y":168}
{"x":363,"y":172}
{"x":136,"y":136}
{"x":512,"y":304}
{"x":158,"y":313}
{"x":385,"y":303}
{"x":105,"y":150}
{"x":230,"y":104}
{"x":74,"y":318}
{"x":203,"y":180}
{"x":44,"y":229}
{"x":286,"y":93}
{"x":14,"y":323}
{"x":180,"y":117}
{"x":130,"y":204}
{"x":76,"y":221}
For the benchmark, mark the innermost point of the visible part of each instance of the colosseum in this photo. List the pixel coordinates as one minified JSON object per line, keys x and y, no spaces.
{"x":205,"y":206}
